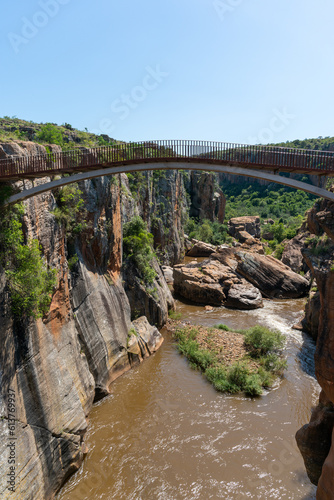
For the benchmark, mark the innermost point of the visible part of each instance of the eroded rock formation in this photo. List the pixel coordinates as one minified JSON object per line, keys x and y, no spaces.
{"x":315,"y":439}
{"x":213,"y":283}
{"x":207,"y":199}
{"x":272,"y":277}
{"x":59,"y":365}
{"x":249,"y":224}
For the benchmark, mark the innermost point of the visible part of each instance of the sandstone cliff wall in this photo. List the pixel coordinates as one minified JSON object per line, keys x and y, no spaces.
{"x":315,"y":439}
{"x":59,"y":365}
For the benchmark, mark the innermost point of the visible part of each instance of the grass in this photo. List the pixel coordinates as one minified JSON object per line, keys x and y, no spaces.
{"x":174,"y":315}
{"x":253,"y":363}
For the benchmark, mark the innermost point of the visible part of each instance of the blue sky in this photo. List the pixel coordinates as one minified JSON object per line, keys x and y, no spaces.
{"x":248,"y":71}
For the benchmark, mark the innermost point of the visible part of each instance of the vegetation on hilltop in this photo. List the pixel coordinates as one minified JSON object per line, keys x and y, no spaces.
{"x":13,"y":129}
{"x":321,"y":144}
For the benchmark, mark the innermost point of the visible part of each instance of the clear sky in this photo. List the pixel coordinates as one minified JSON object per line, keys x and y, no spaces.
{"x":249,"y":71}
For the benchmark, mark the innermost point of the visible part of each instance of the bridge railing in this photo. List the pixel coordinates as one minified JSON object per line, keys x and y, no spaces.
{"x":168,"y":150}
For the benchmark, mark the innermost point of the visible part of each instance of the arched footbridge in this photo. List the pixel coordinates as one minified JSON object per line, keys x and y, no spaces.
{"x":262,"y":162}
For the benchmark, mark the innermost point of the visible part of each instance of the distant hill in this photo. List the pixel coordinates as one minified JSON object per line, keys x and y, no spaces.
{"x":320,"y":144}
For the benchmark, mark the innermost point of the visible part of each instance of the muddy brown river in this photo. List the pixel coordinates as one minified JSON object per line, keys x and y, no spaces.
{"x":164,"y":432}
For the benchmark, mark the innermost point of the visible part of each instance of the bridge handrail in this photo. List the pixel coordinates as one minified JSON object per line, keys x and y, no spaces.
{"x":274,"y":157}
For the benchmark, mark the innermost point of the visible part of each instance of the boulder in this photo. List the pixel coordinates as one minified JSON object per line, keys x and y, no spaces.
{"x":200,"y":249}
{"x":267,"y":234}
{"x":226,"y":256}
{"x":201,"y":282}
{"x":244,"y":296}
{"x":249,"y":224}
{"x":187,"y":243}
{"x":212,"y":283}
{"x":168,"y":274}
{"x":326,"y":481}
{"x":271,"y":276}
{"x":252,"y":245}
{"x":143,"y":340}
{"x":242,"y":236}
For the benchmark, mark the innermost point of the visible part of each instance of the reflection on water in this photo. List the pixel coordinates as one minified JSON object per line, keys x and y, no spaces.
{"x":165,"y":433}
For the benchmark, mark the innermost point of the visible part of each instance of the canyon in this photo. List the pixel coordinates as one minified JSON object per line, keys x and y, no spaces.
{"x":103,"y":320}
{"x":59,"y":365}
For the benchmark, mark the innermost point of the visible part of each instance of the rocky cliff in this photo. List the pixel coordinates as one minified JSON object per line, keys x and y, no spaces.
{"x":315,"y":439}
{"x":58,"y":365}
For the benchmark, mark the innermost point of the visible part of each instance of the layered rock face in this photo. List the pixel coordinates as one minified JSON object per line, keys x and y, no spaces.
{"x":274,"y":279}
{"x":315,"y":439}
{"x":154,"y":301}
{"x":57,"y":366}
{"x":293,"y":252}
{"x":161,"y":201}
{"x":207,"y":199}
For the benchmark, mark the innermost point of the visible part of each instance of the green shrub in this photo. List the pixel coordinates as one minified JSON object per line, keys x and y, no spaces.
{"x":30,"y":281}
{"x":253,"y":385}
{"x":242,"y":375}
{"x":207,"y":231}
{"x":138,"y":247}
{"x":174,"y":315}
{"x":70,"y":204}
{"x":218,"y":378}
{"x":6,"y":191}
{"x":273,"y":363}
{"x":51,"y":134}
{"x":261,"y":341}
{"x":72,"y":261}
{"x":222,"y":327}
{"x":279,"y":251}
{"x":237,"y":376}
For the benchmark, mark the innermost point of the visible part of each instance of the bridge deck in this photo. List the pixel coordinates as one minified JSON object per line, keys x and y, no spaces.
{"x":271,"y":158}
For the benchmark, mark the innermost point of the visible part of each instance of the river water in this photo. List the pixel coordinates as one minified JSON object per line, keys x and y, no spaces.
{"x":164,"y":432}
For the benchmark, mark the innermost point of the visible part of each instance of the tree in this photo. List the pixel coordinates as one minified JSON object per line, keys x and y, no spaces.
{"x":51,"y":134}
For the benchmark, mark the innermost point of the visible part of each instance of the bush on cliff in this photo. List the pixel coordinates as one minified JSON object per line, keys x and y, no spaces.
{"x":69,"y":204}
{"x":30,"y":281}
{"x":138,"y":247}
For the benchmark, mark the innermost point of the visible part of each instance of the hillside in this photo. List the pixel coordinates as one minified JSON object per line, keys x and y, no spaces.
{"x":12,"y":129}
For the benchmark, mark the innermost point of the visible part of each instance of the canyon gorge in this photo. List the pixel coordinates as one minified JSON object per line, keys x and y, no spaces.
{"x":104,"y":320}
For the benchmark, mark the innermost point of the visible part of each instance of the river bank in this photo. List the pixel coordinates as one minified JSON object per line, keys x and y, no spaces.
{"x":164,"y":432}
